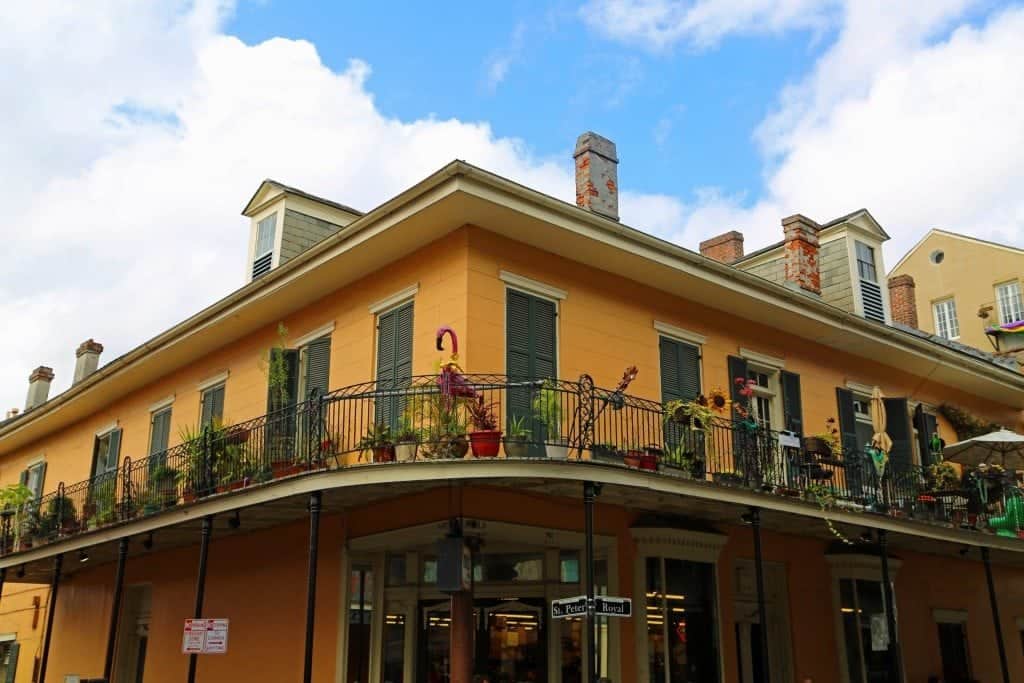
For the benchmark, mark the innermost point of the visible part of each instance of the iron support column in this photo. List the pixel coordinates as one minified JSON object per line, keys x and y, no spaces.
{"x":3,"y":580}
{"x":115,"y":609}
{"x":995,"y":613}
{"x":762,"y":612}
{"x":51,"y":605}
{"x":314,"y":539}
{"x":590,"y":493}
{"x":197,"y":613}
{"x":890,"y":608}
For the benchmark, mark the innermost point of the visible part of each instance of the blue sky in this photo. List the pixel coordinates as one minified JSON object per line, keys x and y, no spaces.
{"x":141,"y":129}
{"x":683,"y":118}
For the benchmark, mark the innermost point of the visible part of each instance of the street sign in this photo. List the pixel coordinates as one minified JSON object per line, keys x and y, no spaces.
{"x":569,"y":607}
{"x":607,"y":606}
{"x":205,"y":637}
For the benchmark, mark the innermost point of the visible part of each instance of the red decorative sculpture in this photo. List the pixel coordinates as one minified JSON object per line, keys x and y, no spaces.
{"x":451,"y":380}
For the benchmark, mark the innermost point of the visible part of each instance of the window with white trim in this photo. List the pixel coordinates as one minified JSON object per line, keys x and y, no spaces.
{"x":1008,"y":299}
{"x":946,"y":324}
{"x":263,"y":252}
{"x":766,"y":389}
{"x":35,"y":476}
{"x":956,"y":657}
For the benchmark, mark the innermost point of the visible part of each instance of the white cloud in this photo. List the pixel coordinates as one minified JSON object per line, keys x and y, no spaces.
{"x":499,"y":64}
{"x":659,"y":24}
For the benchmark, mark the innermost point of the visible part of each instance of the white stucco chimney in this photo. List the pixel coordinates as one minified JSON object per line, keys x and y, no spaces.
{"x":87,"y":359}
{"x":38,"y":387}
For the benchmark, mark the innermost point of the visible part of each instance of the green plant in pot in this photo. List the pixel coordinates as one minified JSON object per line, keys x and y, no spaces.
{"x":407,"y":438}
{"x":485,"y":438}
{"x":943,"y":476}
{"x":60,"y":517}
{"x":517,"y":438}
{"x":102,"y":504}
{"x":606,"y":452}
{"x":164,"y":481}
{"x":547,"y":408}
{"x":444,"y":433}
{"x":380,"y":442}
{"x":16,"y":500}
{"x":826,"y":444}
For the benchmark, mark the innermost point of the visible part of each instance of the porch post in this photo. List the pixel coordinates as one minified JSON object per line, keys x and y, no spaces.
{"x":461,"y":645}
{"x":762,"y":612}
{"x":890,"y":608}
{"x":115,"y":609}
{"x":314,"y":538}
{"x":995,"y":613}
{"x":3,"y":580}
{"x":204,"y":548}
{"x":51,"y":605}
{"x":590,"y":492}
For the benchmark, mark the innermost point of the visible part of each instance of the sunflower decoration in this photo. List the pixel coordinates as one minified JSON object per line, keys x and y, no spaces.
{"x":718,"y":400}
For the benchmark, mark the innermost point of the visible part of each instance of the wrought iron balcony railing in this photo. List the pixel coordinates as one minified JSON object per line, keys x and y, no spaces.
{"x":487,"y":415}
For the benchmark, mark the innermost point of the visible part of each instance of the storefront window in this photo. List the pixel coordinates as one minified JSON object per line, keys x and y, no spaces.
{"x":394,"y":648}
{"x":682,"y":645}
{"x":515,"y":567}
{"x":360,"y":618}
{"x":865,"y":633}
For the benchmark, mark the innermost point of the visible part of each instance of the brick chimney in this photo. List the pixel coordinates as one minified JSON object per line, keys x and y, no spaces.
{"x":597,"y":175}
{"x":87,"y":359}
{"x":38,"y":387}
{"x":725,"y":248}
{"x":903,"y":300}
{"x":801,"y":248}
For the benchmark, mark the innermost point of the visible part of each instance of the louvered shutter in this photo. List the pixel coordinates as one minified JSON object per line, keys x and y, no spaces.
{"x":213,"y":405}
{"x":792,"y":408}
{"x":12,"y":662}
{"x":160,"y":431}
{"x":897,"y":425}
{"x":318,"y":366}
{"x":113,"y":450}
{"x":23,"y":478}
{"x":531,"y":343}
{"x":394,"y":361}
{"x":926,"y":425}
{"x":680,"y":370}
{"x":855,"y":462}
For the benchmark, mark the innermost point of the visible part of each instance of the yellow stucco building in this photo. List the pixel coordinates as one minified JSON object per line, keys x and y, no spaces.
{"x":292,"y":459}
{"x":964,"y":286}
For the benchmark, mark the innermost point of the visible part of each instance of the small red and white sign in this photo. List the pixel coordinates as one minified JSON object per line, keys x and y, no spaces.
{"x":205,"y":637}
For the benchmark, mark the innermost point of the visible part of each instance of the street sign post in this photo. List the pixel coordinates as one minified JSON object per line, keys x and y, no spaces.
{"x":569,"y":607}
{"x":607,"y":606}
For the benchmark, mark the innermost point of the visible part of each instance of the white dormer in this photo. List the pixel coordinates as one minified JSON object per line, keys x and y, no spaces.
{"x":285,"y":221}
{"x":864,"y":238}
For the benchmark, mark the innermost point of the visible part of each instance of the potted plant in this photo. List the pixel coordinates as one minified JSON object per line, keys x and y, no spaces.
{"x":633,"y":456}
{"x":102,"y":507}
{"x":485,"y":439}
{"x":695,"y":413}
{"x":728,"y":478}
{"x":547,"y":407}
{"x":517,"y":438}
{"x":649,"y":458}
{"x":685,"y":460}
{"x":942,"y":476}
{"x":16,"y":500}
{"x":826,"y":444}
{"x":606,"y":452}
{"x":379,"y":441}
{"x":165,"y":483}
{"x":60,"y":518}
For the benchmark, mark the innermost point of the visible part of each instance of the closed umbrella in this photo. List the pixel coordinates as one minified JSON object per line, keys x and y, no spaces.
{"x":1001,"y":447}
{"x":880,"y":441}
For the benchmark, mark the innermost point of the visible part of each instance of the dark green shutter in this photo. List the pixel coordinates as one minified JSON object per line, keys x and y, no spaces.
{"x":318,"y":366}
{"x":856,"y":465}
{"x":680,"y":370}
{"x":213,"y":405}
{"x":792,"y":408}
{"x":737,"y":370}
{"x":394,"y":361}
{"x":23,"y":478}
{"x":926,"y":425}
{"x":113,"y":450}
{"x":897,"y":425}
{"x":159,"y":431}
{"x":12,"y":662}
{"x":531,"y":342}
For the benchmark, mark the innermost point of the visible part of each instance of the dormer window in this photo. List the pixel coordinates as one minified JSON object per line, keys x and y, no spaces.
{"x":263,"y":254}
{"x":870,"y":292}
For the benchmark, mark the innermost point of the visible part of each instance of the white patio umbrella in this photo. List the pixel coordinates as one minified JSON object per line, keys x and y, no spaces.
{"x":880,"y":439}
{"x":1001,"y":447}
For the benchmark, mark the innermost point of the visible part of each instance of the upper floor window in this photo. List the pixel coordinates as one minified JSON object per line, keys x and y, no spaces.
{"x":211,"y":408}
{"x":946,"y":324}
{"x":1009,"y":302}
{"x":105,"y":452}
{"x":33,"y":477}
{"x":866,"y":262}
{"x":263,"y":253}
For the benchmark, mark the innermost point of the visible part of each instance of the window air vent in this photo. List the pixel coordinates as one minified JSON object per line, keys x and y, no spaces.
{"x":261,"y":266}
{"x":871,"y":298}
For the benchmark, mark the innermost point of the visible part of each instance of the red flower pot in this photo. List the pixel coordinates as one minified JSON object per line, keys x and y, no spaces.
{"x":649,"y":461}
{"x":485,"y":444}
{"x":384,"y":453}
{"x":633,"y":458}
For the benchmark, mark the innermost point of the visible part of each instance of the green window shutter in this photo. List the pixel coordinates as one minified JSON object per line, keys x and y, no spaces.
{"x":23,"y":478}
{"x":318,"y":366}
{"x":543,"y":321}
{"x":737,"y":369}
{"x":213,"y":405}
{"x":926,"y":425}
{"x":159,"y":431}
{"x":517,"y":336}
{"x":680,"y":370}
{"x":792,"y":408}
{"x":113,"y":450}
{"x":394,"y":361}
{"x":847,"y":421}
{"x":531,"y":344}
{"x":897,"y":425}
{"x":12,"y":662}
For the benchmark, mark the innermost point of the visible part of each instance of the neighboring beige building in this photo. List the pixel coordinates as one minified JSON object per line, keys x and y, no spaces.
{"x":961,"y":286}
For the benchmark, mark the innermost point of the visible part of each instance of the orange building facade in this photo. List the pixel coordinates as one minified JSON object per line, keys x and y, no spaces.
{"x":536,"y":289}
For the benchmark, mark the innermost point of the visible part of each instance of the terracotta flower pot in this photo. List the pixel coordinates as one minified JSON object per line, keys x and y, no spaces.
{"x":633,"y":458}
{"x":384,"y":453}
{"x":485,"y":444}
